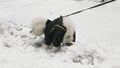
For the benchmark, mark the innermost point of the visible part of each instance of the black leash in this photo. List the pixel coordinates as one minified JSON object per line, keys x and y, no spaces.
{"x":89,"y":8}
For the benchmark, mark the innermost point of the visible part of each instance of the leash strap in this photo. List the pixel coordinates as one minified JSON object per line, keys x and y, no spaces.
{"x":89,"y":8}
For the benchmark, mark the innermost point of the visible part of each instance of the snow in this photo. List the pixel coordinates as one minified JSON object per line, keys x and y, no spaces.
{"x":98,"y":35}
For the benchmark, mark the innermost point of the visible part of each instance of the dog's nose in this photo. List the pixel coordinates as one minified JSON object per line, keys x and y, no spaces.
{"x":30,"y":31}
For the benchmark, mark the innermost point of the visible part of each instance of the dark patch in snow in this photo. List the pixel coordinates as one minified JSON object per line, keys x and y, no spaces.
{"x":6,"y":45}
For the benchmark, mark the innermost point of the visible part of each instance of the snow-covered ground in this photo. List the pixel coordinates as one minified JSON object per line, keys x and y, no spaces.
{"x":98,"y":35}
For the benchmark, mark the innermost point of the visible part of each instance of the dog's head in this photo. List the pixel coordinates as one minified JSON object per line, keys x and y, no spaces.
{"x":38,"y":26}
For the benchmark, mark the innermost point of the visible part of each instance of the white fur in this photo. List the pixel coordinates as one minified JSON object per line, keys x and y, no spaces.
{"x":38,"y":25}
{"x":70,"y":30}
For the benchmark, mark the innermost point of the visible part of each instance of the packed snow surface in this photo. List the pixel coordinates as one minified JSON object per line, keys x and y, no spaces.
{"x":98,"y":35}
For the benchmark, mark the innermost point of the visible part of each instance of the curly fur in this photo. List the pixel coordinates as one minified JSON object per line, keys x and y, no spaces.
{"x":38,"y":25}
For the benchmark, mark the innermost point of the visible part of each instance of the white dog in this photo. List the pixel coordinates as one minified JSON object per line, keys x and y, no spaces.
{"x":39,"y":24}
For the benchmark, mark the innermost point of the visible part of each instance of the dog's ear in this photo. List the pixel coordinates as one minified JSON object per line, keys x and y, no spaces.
{"x":48,"y":21}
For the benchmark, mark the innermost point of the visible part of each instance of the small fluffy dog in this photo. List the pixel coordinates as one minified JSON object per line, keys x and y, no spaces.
{"x":56,"y":32}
